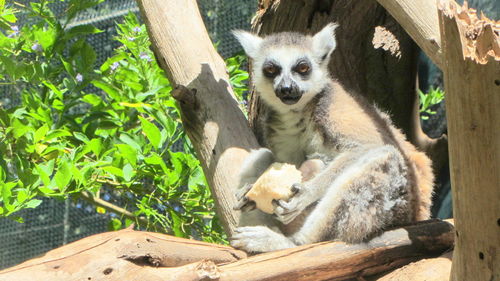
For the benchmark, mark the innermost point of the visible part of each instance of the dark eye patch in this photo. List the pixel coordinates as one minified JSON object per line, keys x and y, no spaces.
{"x":271,"y":69}
{"x":302,"y":67}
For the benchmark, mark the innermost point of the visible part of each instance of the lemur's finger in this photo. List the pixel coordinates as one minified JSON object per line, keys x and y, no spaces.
{"x":249,"y":206}
{"x":240,"y":194}
{"x":296,"y":187}
{"x":241,"y":203}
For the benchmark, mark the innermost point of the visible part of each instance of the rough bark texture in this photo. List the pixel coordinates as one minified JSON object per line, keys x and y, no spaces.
{"x":386,"y":78}
{"x":434,"y":269}
{"x":420,"y":20}
{"x":135,"y":255}
{"x":471,"y":55}
{"x":123,"y":255}
{"x":211,"y":117}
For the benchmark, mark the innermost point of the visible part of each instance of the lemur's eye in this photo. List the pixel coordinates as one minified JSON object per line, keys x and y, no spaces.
{"x":302,"y":68}
{"x":271,"y":70}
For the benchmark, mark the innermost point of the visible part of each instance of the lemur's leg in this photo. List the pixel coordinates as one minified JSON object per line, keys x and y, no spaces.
{"x":367,"y":196}
{"x":253,"y":166}
{"x":363,"y":196}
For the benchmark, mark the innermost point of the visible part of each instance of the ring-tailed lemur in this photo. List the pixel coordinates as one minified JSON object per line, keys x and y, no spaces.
{"x":373,"y":178}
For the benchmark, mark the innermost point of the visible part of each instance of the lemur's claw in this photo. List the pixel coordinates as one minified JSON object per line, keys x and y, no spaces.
{"x":296,"y":187}
{"x":243,"y":203}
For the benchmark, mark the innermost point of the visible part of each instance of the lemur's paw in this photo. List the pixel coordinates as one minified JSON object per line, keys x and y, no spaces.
{"x":287,"y":211}
{"x":243,"y":203}
{"x":257,"y":239}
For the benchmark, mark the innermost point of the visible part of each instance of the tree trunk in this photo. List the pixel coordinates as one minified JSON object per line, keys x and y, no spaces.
{"x":471,"y":54}
{"x":210,"y":114}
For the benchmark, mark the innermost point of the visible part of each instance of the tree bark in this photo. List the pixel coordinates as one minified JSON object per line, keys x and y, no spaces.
{"x":433,"y":269}
{"x":135,"y":255}
{"x":471,"y":55}
{"x":420,"y":20}
{"x":210,"y":114}
{"x":124,"y":255}
{"x":385,"y":75}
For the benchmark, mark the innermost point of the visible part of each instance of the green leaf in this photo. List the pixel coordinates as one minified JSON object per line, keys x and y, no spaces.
{"x":92,"y":99}
{"x":81,"y":137}
{"x":40,"y":133}
{"x":115,"y":224}
{"x":45,"y":171}
{"x":22,"y":195}
{"x":108,"y":89}
{"x":57,"y":134}
{"x":128,"y":140}
{"x":176,"y":224}
{"x":3,"y":175}
{"x":113,"y":170}
{"x":82,"y":30}
{"x":33,"y":203}
{"x":152,"y":132}
{"x":19,"y":129}
{"x":63,"y":175}
{"x":6,"y":193}
{"x":54,"y":89}
{"x":128,"y":172}
{"x":128,"y":152}
{"x":112,"y":60}
{"x":96,"y":146}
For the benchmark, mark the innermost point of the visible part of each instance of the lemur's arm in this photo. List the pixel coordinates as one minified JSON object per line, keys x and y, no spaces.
{"x":314,"y":189}
{"x":253,"y":166}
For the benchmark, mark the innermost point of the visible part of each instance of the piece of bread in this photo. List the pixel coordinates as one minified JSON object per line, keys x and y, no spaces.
{"x":274,"y":183}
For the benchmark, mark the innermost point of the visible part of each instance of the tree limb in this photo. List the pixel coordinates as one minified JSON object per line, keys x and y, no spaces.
{"x":131,"y":255}
{"x":210,"y":114}
{"x":420,"y":20}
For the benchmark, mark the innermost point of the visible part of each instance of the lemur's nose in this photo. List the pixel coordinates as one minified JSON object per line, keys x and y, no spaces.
{"x":286,"y":90}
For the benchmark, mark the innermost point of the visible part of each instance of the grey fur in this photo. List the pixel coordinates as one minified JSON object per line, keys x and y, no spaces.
{"x":373,"y":178}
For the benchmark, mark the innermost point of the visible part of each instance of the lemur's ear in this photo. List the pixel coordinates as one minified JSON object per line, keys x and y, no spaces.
{"x":324,"y":42}
{"x":250,"y":42}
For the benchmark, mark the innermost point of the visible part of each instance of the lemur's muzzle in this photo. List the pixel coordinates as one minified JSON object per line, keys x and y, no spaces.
{"x":288,"y":92}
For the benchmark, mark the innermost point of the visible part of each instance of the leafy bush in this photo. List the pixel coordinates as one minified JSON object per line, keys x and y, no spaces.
{"x":428,"y":101}
{"x":114,"y":130}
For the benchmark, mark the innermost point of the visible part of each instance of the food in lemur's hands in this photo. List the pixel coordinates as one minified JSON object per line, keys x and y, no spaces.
{"x":276,"y":183}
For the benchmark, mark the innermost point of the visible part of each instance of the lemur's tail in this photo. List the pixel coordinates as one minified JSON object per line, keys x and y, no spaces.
{"x":424,"y":181}
{"x":421,"y":168}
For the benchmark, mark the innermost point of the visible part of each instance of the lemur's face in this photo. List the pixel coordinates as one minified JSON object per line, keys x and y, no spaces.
{"x":289,"y":69}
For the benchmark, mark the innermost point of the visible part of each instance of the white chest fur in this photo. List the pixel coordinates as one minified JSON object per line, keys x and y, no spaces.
{"x":292,"y":137}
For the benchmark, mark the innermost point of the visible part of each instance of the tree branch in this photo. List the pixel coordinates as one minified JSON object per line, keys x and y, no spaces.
{"x":121,"y":211}
{"x":210,"y":114}
{"x":129,"y":255}
{"x":420,"y":20}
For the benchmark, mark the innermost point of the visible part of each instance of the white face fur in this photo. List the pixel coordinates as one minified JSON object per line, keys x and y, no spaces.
{"x":288,"y":75}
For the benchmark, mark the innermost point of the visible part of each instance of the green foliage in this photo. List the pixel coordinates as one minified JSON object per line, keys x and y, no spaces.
{"x":238,"y":79}
{"x":428,"y":100}
{"x":107,"y":130}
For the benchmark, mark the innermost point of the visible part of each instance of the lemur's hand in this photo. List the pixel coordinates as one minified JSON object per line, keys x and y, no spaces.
{"x":287,"y":210}
{"x":243,"y":203}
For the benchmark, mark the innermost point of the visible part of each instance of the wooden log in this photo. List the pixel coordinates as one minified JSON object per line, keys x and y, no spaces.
{"x":341,"y":261}
{"x":471,"y":52}
{"x":433,"y":269}
{"x":210,"y":114}
{"x":135,"y":255}
{"x":420,"y":20}
{"x":125,"y":255}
